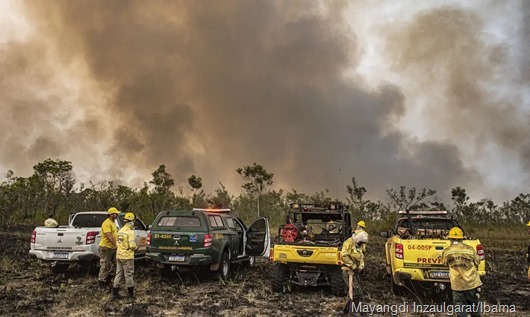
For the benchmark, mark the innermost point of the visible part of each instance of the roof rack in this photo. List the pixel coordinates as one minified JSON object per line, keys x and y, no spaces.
{"x":335,"y":206}
{"x":423,"y":212}
{"x":219,"y":210}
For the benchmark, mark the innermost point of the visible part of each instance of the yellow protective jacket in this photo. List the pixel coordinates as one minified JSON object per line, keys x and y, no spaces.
{"x":126,"y":242}
{"x":108,"y":226}
{"x":351,"y":255}
{"x":463,"y":262}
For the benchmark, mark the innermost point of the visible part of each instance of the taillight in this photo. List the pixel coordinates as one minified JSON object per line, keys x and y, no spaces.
{"x":271,"y":255}
{"x":399,"y":251}
{"x":33,"y":236}
{"x":480,"y":252}
{"x":148,"y":238}
{"x":91,"y":237}
{"x":339,"y":257}
{"x":208,"y":240}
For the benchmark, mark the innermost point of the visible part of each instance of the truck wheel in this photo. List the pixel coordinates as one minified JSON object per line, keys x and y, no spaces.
{"x":338,"y":287}
{"x":279,"y":277}
{"x":224,"y":267}
{"x":397,"y":290}
{"x":91,"y":267}
{"x":166,"y":271}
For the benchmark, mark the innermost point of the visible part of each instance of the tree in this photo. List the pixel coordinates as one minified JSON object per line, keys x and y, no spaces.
{"x":222,"y":198}
{"x":257,"y":179}
{"x":462,"y":208}
{"x":162,"y":195}
{"x":321,"y":198}
{"x":197,"y":199}
{"x":195,"y":183}
{"x":57,"y":180}
{"x":356,"y":194}
{"x":408,"y":200}
{"x":295,"y":197}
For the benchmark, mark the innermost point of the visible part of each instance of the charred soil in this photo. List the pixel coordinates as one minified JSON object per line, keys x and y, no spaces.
{"x":29,"y":288}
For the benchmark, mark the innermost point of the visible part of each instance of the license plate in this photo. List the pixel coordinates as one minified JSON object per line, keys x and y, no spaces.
{"x":60,"y":255}
{"x":177,"y":258}
{"x":442,"y":275}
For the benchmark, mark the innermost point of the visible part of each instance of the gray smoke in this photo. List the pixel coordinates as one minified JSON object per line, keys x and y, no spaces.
{"x":205,"y":87}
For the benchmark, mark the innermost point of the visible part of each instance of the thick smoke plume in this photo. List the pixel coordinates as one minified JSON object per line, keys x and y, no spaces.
{"x":205,"y":87}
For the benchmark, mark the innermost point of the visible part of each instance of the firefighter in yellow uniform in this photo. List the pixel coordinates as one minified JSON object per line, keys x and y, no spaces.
{"x":125,"y":258}
{"x":361,"y":225}
{"x":107,"y":247}
{"x":463,"y":264}
{"x":353,"y":262}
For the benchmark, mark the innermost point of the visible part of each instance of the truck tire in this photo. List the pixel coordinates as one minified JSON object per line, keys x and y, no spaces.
{"x":397,"y":290}
{"x":166,"y":271}
{"x":224,"y":267}
{"x":338,"y":287}
{"x":279,"y":277}
{"x":90,"y":267}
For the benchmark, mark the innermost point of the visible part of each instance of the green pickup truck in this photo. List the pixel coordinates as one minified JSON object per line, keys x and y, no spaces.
{"x":210,"y":238}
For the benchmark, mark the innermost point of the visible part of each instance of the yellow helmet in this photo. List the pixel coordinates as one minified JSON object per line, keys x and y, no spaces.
{"x":528,"y":224}
{"x":456,"y":233}
{"x":129,"y":216}
{"x":113,"y":210}
{"x":361,"y":224}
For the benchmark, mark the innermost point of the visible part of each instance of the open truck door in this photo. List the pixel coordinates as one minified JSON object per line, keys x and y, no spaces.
{"x":258,"y":238}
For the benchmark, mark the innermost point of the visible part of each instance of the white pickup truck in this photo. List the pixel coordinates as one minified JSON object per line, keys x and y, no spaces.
{"x":79,"y":241}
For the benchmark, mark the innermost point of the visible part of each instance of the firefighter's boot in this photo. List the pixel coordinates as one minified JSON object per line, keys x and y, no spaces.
{"x":116,"y":293}
{"x":357,"y":302}
{"x":131,"y":293}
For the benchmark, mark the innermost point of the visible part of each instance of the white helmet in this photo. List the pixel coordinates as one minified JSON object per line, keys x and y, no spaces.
{"x":361,"y":237}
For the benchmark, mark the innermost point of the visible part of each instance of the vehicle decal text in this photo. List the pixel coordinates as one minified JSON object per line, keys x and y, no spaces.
{"x":162,"y":236}
{"x":420,"y":247}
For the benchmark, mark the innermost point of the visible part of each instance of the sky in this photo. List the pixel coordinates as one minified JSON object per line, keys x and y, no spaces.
{"x":431,"y":94}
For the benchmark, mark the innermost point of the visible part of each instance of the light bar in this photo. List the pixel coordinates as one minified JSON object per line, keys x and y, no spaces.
{"x":424,"y":212}
{"x":212,"y":210}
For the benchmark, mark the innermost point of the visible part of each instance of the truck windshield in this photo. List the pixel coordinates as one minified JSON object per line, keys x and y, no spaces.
{"x":429,"y":223}
{"x":179,"y":221}
{"x":88,"y":220}
{"x":425,"y":227}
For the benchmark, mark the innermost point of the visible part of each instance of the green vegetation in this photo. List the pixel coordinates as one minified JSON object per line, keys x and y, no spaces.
{"x":52,"y":189}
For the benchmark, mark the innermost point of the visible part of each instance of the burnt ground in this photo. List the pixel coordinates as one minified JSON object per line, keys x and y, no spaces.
{"x":29,"y":288}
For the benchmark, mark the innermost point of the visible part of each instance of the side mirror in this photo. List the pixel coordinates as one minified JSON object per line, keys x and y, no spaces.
{"x":384,"y":234}
{"x":148,"y":228}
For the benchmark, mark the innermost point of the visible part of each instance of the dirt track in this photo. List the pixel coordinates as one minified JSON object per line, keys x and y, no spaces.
{"x":30,"y":289}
